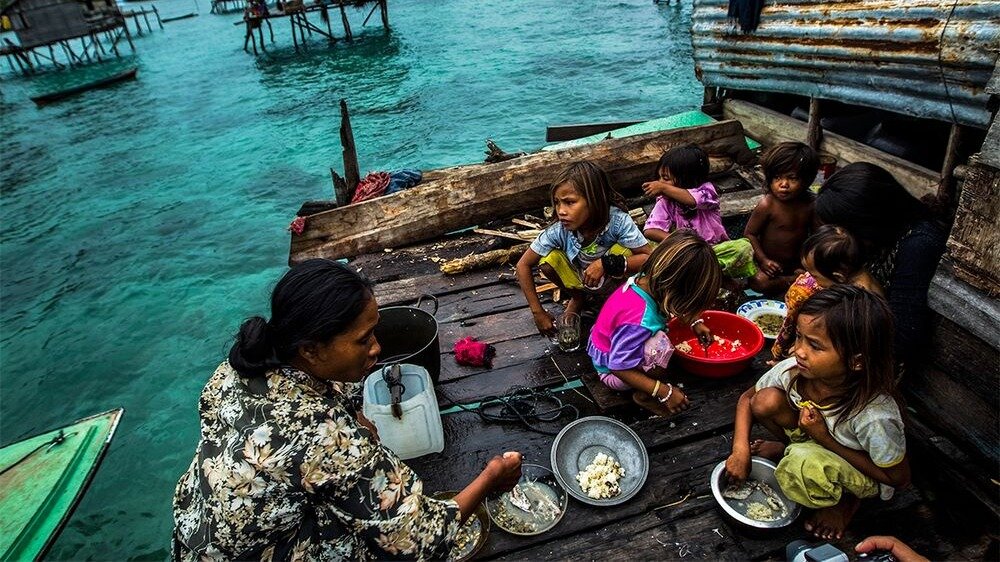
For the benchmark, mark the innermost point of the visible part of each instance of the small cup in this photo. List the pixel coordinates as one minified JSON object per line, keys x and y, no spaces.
{"x":569,"y":332}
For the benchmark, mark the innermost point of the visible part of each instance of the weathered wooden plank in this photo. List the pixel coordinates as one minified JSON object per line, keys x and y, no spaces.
{"x":489,"y":191}
{"x":974,"y":243}
{"x":771,"y":127}
{"x":510,"y":353}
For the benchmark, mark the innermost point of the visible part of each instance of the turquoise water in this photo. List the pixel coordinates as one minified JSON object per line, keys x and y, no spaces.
{"x":141,"y":224}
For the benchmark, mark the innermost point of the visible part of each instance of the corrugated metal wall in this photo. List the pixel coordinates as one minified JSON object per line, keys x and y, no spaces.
{"x":926,"y":58}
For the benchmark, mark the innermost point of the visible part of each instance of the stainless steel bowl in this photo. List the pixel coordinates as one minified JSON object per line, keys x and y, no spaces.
{"x":579,"y":442}
{"x":761,"y":470}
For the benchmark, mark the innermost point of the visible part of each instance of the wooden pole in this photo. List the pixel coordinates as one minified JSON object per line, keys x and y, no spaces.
{"x":350,"y":153}
{"x":270,"y":29}
{"x":384,"y":8}
{"x":340,"y":191}
{"x":128,"y":35}
{"x":945,"y":188}
{"x":158,"y":20}
{"x":814,"y":134}
{"x":347,"y":24}
{"x":295,"y":41}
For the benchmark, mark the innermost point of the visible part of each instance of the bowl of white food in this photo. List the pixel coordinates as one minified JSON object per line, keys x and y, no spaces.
{"x":599,"y":461}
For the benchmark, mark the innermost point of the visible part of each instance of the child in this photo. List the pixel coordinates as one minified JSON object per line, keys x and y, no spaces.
{"x":833,"y":403}
{"x":592,"y":238}
{"x":628,"y":345}
{"x":780,"y":222}
{"x":686,"y":199}
{"x":830,"y":256}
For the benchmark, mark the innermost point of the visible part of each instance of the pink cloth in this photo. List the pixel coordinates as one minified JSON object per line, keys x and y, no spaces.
{"x":705,"y":218}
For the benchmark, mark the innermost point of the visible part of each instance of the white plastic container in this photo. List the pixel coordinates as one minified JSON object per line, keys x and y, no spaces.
{"x":419,"y":431}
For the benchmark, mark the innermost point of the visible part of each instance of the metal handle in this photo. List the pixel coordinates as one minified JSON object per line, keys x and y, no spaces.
{"x":429,"y":296}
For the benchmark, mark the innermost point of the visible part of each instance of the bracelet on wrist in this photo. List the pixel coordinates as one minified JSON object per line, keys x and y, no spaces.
{"x":670,"y":392}
{"x":696,"y":322}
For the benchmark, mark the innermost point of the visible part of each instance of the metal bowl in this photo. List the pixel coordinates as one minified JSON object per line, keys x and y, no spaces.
{"x":761,"y":470}
{"x":510,"y":518}
{"x":479,"y":515}
{"x":579,"y":442}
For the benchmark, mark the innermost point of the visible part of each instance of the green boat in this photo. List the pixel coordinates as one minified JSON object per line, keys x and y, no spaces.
{"x":43,"y":478}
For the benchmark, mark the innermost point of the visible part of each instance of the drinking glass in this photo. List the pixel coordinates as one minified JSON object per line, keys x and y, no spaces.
{"x":569,"y":332}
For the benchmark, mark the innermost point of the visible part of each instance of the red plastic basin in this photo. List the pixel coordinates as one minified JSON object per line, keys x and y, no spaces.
{"x":725,"y":325}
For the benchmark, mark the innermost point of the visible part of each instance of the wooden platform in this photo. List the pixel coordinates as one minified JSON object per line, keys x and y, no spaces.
{"x":673,"y":516}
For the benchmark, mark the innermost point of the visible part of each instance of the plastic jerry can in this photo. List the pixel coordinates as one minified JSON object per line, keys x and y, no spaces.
{"x":418,"y":431}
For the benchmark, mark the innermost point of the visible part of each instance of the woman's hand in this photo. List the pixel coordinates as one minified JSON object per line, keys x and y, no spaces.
{"x":504,"y":471}
{"x":900,"y":551}
{"x":545,"y":322}
{"x":593,"y":274}
{"x":738,"y":463}
{"x":811,"y":422}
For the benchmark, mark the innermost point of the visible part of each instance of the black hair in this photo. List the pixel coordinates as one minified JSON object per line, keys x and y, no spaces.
{"x":593,"y":184}
{"x":867,"y":201}
{"x":860,"y":327}
{"x":313,"y":302}
{"x":790,"y":158}
{"x":834,"y":251}
{"x":688,"y":165}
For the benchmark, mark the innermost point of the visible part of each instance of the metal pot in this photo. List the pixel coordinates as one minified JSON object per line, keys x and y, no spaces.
{"x":409,"y":334}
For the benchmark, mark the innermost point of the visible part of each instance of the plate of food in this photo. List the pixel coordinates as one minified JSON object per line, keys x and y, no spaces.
{"x":599,"y":460}
{"x":535,"y":505}
{"x":767,"y":314}
{"x":471,"y":538}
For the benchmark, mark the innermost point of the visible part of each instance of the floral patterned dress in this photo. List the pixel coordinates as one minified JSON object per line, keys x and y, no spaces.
{"x":804,"y":287}
{"x":284,"y":471}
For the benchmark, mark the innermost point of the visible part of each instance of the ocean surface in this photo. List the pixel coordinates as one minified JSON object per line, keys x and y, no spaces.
{"x":139,"y":225}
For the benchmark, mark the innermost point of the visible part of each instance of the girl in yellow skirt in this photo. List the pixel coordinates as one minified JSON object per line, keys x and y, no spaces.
{"x":833,"y":407}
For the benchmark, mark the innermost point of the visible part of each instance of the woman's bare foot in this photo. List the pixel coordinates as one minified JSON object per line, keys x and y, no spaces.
{"x":829,"y":523}
{"x":678,"y":402}
{"x":772,"y":450}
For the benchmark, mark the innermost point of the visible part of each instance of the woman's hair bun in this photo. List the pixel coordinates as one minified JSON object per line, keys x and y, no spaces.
{"x":252,"y":353}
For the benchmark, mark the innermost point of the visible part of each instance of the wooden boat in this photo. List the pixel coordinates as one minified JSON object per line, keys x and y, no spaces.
{"x":175,"y":18}
{"x":43,"y":478}
{"x":96,"y":84}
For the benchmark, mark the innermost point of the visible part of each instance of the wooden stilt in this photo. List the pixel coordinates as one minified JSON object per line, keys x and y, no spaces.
{"x":369,"y":16}
{"x":303,"y":27}
{"x":158,"y":20}
{"x":295,"y":40}
{"x":114,"y":44}
{"x":347,"y":24}
{"x":145,"y":18}
{"x":350,"y":152}
{"x":270,"y":29}
{"x":384,"y":8}
{"x":814,"y":134}
{"x":128,"y":36}
{"x":328,"y":28}
{"x":946,"y":189}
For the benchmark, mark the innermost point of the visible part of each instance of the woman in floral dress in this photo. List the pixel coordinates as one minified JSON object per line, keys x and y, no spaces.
{"x":288,"y":468}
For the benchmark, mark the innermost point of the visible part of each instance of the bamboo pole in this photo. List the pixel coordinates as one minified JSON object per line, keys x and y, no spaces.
{"x":347,"y":24}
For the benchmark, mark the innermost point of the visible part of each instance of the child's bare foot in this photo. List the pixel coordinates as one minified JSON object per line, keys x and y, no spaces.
{"x":772,"y":450}
{"x":678,"y":402}
{"x":829,"y":523}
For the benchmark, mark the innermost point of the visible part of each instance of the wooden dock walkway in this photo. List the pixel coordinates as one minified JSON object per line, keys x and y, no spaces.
{"x":674,"y":515}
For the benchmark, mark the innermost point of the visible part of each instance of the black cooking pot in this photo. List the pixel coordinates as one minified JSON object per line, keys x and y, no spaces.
{"x":409,"y":334}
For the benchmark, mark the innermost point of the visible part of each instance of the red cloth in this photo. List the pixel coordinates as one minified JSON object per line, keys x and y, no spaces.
{"x":371,"y":186}
{"x":474,"y":353}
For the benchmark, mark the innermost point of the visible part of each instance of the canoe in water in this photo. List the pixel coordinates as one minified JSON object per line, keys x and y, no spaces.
{"x":102,"y":83}
{"x":42,"y":479}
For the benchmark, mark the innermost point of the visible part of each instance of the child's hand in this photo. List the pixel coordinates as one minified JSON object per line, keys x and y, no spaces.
{"x":654,"y":188}
{"x":811,"y":422}
{"x":545,"y":322}
{"x":704,"y":333}
{"x":738,"y":463}
{"x":593,"y":274}
{"x":770,"y":267}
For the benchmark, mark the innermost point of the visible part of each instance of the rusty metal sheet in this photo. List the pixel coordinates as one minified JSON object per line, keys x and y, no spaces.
{"x":925,"y":58}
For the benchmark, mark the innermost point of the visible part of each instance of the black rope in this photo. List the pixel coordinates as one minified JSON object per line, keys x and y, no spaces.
{"x":59,"y":438}
{"x":519,"y":404}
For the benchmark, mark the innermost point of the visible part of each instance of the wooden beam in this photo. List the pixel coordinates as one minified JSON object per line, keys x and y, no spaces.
{"x":771,"y":127}
{"x":814,"y":135}
{"x":486,"y":191}
{"x":350,"y":152}
{"x":945,"y":191}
